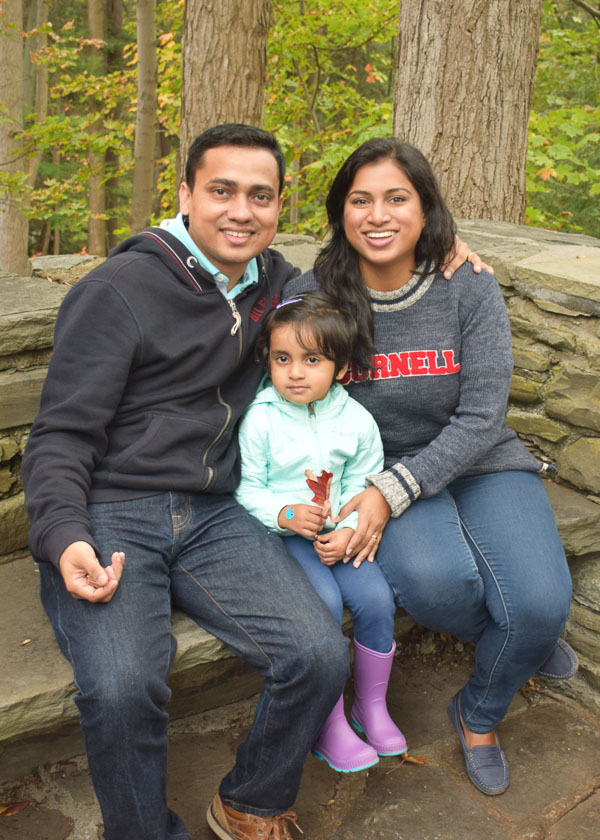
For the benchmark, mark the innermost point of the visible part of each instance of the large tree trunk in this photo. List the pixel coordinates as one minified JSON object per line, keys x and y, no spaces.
{"x":463,"y":91}
{"x":13,"y":223}
{"x":145,"y":122}
{"x":223,"y":69}
{"x":96,"y":189}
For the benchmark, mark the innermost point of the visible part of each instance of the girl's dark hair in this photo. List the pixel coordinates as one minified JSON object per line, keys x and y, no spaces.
{"x":318,"y":325}
{"x":337,"y":265}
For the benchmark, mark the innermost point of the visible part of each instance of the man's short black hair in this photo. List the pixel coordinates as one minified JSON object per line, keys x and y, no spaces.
{"x":232,"y":134}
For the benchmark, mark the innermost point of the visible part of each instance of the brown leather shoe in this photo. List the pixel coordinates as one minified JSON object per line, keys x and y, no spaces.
{"x":229,"y":824}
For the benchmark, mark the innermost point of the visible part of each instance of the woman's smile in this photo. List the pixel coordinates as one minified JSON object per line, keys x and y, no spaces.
{"x":383,"y":220}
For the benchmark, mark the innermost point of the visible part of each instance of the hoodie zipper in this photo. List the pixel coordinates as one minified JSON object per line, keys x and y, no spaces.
{"x":237,"y":323}
{"x":237,"y":318}
{"x":312,"y":414}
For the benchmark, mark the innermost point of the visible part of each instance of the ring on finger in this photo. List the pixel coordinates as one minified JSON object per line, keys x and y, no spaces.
{"x":374,"y":536}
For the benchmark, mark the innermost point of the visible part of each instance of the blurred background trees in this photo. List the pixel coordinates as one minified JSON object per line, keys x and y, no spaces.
{"x":92,"y":96}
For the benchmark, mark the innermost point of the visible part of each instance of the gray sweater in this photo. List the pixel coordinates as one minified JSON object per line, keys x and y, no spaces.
{"x":443,"y":363}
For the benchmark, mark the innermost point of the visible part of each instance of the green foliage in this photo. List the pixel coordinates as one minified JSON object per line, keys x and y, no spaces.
{"x":563,"y":160}
{"x":329,"y":85}
{"x":92,"y":110}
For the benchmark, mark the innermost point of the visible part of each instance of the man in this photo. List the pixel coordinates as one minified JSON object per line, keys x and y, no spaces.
{"x":129,"y":474}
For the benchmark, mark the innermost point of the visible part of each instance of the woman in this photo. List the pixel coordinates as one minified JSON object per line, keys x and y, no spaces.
{"x":471,"y":549}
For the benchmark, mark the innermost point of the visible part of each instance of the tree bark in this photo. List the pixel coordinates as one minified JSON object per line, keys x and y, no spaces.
{"x":145,"y":122}
{"x":39,"y":82}
{"x":13,"y":222}
{"x":96,"y":188}
{"x":223,"y":68}
{"x":463,"y":90}
{"x":114,"y":61}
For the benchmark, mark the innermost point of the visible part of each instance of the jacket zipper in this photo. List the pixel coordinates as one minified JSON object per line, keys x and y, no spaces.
{"x":237,"y":323}
{"x":237,"y":318}
{"x":313,"y":420}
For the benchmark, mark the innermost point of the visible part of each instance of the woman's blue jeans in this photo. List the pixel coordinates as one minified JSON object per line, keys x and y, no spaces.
{"x":204,"y":555}
{"x":482,"y":560}
{"x":364,"y":591}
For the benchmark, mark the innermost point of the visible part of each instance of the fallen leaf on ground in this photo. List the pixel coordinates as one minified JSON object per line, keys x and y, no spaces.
{"x":12,"y":808}
{"x":409,"y":759}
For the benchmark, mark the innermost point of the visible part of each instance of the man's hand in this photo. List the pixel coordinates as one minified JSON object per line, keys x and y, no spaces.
{"x":462,"y":254}
{"x":83,"y":575}
{"x":307,"y":520}
{"x":331,"y":547}
{"x":373,"y":515}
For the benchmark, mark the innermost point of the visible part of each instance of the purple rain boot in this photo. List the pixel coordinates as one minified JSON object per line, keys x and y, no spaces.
{"x":340,"y":747}
{"x":369,"y":712}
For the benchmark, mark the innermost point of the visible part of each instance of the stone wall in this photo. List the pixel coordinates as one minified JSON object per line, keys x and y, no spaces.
{"x":551,"y":283}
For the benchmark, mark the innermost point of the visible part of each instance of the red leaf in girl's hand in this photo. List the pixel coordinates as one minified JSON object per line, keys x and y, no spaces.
{"x":319,"y":486}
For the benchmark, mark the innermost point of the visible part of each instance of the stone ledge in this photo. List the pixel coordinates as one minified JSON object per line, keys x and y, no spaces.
{"x":37,"y":687}
{"x":37,"y":684}
{"x":37,"y":713}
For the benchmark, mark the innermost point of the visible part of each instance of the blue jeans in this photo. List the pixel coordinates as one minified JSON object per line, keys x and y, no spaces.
{"x":364,"y":591}
{"x":482,"y":560}
{"x":206,"y":556}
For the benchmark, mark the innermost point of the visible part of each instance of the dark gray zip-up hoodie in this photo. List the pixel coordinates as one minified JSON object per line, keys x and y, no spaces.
{"x":151,"y":370}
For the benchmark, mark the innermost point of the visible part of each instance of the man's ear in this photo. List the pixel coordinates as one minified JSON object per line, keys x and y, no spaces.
{"x":185,"y":195}
{"x":340,"y":374}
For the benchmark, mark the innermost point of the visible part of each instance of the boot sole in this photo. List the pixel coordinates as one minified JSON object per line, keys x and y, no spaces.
{"x":359,"y":728}
{"x":366,"y":766}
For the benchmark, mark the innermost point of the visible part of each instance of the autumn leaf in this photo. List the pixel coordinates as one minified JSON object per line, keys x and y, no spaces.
{"x":12,"y":808}
{"x":409,"y":759}
{"x":319,"y":486}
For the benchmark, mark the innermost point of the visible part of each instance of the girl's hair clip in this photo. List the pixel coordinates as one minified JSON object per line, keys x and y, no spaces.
{"x":289,"y":300}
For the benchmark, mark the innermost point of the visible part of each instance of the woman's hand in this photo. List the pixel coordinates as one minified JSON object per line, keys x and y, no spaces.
{"x":373,"y":515}
{"x":462,"y":254}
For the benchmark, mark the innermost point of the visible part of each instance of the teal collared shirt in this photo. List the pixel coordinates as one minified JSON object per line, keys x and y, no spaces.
{"x":249,"y":278}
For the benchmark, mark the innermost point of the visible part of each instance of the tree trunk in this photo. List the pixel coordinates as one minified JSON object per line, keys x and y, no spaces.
{"x":145,"y":121}
{"x":13,"y":223}
{"x":224,"y":50}
{"x":38,"y":82}
{"x":114,"y":61}
{"x":463,"y":91}
{"x":96,"y":189}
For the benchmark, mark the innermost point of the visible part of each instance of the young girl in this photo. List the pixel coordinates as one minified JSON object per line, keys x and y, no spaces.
{"x":304,"y":422}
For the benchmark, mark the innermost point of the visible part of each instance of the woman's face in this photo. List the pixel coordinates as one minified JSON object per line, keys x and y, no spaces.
{"x":383,"y":217}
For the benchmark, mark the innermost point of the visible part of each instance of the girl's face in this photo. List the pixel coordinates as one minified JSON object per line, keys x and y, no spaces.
{"x":383,"y":217}
{"x":299,"y":374}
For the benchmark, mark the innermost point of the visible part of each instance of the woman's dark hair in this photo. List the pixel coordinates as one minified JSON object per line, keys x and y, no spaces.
{"x":318,"y":325}
{"x":337,"y":265}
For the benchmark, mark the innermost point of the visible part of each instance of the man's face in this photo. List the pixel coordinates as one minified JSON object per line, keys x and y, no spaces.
{"x":234,"y":206}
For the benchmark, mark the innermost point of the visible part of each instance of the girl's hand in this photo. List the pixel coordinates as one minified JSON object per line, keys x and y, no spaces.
{"x":460,"y":255}
{"x":305,"y":520}
{"x":373,"y":515}
{"x":331,"y":547}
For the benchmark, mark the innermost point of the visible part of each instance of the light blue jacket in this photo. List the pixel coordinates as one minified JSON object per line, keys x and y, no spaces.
{"x":279,"y":440}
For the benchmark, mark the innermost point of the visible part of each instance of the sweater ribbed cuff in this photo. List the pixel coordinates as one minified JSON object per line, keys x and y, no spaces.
{"x":60,"y":538}
{"x":397,"y":486}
